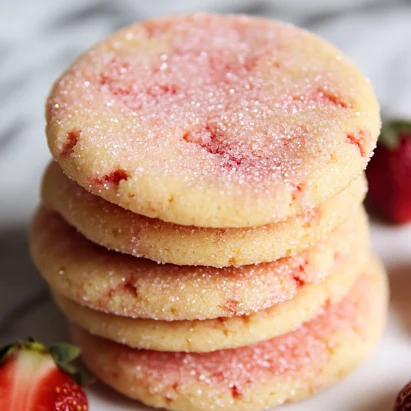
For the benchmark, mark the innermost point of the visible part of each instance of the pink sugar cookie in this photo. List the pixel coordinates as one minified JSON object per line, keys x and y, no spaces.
{"x":135,"y":287}
{"x":219,"y":333}
{"x":121,"y":230}
{"x":213,"y":120}
{"x":284,"y":369}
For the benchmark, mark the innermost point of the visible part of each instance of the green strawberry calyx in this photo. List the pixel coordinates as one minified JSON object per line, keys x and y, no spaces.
{"x":393,"y":131}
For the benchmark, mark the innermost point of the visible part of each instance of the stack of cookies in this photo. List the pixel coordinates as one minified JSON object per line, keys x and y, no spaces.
{"x":202,"y":226}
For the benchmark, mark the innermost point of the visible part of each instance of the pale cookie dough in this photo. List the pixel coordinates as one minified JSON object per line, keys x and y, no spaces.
{"x":134,"y":287}
{"x":284,"y":369}
{"x":213,"y":120}
{"x":118,"y":229}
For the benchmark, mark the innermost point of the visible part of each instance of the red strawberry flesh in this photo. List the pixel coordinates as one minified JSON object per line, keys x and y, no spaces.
{"x":30,"y":380}
{"x":389,"y":176}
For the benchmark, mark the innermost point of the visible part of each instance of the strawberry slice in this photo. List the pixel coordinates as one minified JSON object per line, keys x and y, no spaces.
{"x":389,"y":173}
{"x":34,"y":377}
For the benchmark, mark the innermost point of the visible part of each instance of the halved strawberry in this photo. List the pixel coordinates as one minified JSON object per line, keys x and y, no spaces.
{"x":389,"y":173}
{"x":34,"y":377}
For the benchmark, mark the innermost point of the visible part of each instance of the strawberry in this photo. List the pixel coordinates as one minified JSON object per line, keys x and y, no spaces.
{"x":34,"y":377}
{"x":403,"y":400}
{"x":389,"y":173}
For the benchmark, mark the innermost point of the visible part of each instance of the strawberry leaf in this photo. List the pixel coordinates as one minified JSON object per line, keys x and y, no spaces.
{"x":64,"y":353}
{"x":6,"y":351}
{"x":392,"y":131}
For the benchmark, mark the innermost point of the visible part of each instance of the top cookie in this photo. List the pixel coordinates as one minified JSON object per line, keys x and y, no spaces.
{"x":213,"y":120}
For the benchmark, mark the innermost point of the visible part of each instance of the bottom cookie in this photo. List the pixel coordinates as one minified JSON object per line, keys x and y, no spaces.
{"x":283,"y":369}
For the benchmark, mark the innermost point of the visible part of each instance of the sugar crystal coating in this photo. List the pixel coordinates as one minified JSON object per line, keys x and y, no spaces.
{"x":213,"y":120}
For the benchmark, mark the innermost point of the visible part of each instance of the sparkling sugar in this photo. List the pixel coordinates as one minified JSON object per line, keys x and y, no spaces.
{"x":249,"y":103}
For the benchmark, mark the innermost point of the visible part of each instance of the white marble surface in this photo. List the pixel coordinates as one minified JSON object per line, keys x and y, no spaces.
{"x":38,"y":39}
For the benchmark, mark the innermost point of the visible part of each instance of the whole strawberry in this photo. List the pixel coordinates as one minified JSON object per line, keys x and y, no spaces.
{"x":403,"y":401}
{"x":389,"y":173}
{"x":34,"y":377}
